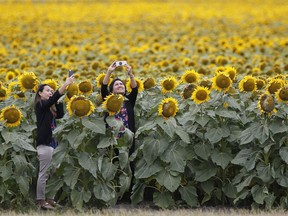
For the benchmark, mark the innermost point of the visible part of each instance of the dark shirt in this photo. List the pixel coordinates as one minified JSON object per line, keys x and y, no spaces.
{"x":44,"y":118}
{"x":129,"y":104}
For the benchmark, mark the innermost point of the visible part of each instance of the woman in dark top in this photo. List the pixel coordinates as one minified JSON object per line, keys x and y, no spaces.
{"x":47,"y":110}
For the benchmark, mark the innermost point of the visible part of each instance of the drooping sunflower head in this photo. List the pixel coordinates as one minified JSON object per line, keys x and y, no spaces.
{"x":113,"y":103}
{"x":266,"y":103}
{"x":28,"y":81}
{"x":149,"y":83}
{"x":205,"y":83}
{"x":168,"y":84}
{"x":190,"y":76}
{"x":282,"y":94}
{"x":221,"y":82}
{"x":248,"y":84}
{"x":52,"y":83}
{"x":201,"y":95}
{"x":86,"y":87}
{"x":188,"y":90}
{"x":168,"y":107}
{"x":100,"y":78}
{"x":274,"y":85}
{"x":139,"y":82}
{"x":80,"y":106}
{"x":72,"y":90}
{"x":11,"y":116}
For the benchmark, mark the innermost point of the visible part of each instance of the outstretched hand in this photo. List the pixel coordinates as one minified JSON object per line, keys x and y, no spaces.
{"x":112,"y":67}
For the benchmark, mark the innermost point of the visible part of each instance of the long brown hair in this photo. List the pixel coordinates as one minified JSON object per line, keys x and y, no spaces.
{"x":38,"y":99}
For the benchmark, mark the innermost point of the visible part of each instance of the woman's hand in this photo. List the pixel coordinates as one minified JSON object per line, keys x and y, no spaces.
{"x":129,"y":71}
{"x":112,"y":67}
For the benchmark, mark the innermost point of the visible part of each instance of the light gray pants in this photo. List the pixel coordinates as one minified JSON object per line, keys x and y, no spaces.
{"x":45,"y":158}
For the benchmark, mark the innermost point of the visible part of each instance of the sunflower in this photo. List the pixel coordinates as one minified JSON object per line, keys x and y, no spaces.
{"x":100,"y":78}
{"x":139,"y":82}
{"x":80,"y":106}
{"x":260,"y":83}
{"x":11,"y":116}
{"x":248,"y":84}
{"x":200,"y":95}
{"x":52,"y":83}
{"x":282,"y":94}
{"x":28,"y":81}
{"x":206,"y":83}
{"x":188,"y":90}
{"x":72,"y":90}
{"x":15,"y":90}
{"x":274,"y":85}
{"x":231,"y":71}
{"x":168,"y":84}
{"x":168,"y":107}
{"x":10,"y":75}
{"x":3,"y":93}
{"x":149,"y":83}
{"x":221,"y":82}
{"x":113,"y":103}
{"x":266,"y":104}
{"x":86,"y":87}
{"x":95,"y":65}
{"x":190,"y":76}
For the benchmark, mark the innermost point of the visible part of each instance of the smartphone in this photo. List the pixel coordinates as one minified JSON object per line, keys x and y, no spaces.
{"x":120,"y":63}
{"x":70,"y":73}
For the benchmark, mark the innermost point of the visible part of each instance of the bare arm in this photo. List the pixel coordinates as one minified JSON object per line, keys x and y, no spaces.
{"x":108,"y":74}
{"x":132,"y":78}
{"x":67,"y":82}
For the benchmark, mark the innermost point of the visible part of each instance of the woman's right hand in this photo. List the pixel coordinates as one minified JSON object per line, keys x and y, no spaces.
{"x":69,"y":80}
{"x":112,"y":67}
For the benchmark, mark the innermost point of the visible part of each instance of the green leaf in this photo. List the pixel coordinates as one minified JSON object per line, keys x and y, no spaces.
{"x":106,"y":142}
{"x":9,"y":136}
{"x":259,"y":193}
{"x":207,"y":186}
{"x":104,"y":191}
{"x":262,"y":133}
{"x":123,"y":157}
{"x":175,"y":155}
{"x":88,"y":163}
{"x":23,"y":144}
{"x":182,"y":134}
{"x":202,"y":120}
{"x":143,"y":170}
{"x":214,"y":135}
{"x":227,"y":114}
{"x":248,"y":135}
{"x":282,"y":180}
{"x":205,"y":171}
{"x":230,"y":190}
{"x":53,"y":185}
{"x":278,"y":126}
{"x":97,"y":126}
{"x":163,"y":199}
{"x":75,"y":138}
{"x":114,"y":123}
{"x":265,"y":172}
{"x":283,"y":152}
{"x":168,"y":126}
{"x":246,"y":158}
{"x":138,"y":193}
{"x":71,"y":176}
{"x":221,"y":158}
{"x":77,"y":199}
{"x":203,"y":150}
{"x":189,"y":195}
{"x":244,"y":183}
{"x":6,"y":171}
{"x":170,"y":181}
{"x":146,"y":127}
{"x":108,"y":169}
{"x":60,"y":153}
{"x":23,"y":184}
{"x":154,"y":148}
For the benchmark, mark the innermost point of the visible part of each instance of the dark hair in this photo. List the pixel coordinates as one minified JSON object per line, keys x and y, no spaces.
{"x":112,"y":84}
{"x":37,"y":96}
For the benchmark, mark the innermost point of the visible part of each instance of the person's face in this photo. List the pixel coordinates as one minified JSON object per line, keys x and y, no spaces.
{"x":46,"y":93}
{"x":119,"y":87}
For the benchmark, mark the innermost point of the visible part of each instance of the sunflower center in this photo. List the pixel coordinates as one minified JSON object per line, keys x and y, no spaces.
{"x":260,"y":84}
{"x":2,"y":92}
{"x":28,"y":82}
{"x":283,"y":94}
{"x":85,"y":87}
{"x":223,"y":81}
{"x":80,"y":107}
{"x":168,"y":84}
{"x":249,"y":85}
{"x":114,"y":104}
{"x":169,"y":109}
{"x":201,"y":95}
{"x":149,"y":83}
{"x":72,"y":90}
{"x":11,"y":115}
{"x":274,"y":87}
{"x":190,"y":78}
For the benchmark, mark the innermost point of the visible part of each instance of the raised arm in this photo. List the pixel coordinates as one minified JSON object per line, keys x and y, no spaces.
{"x":67,"y":82}
{"x":130,"y":74}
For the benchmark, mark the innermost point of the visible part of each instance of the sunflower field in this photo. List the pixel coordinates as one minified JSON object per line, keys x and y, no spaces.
{"x":211,"y":112}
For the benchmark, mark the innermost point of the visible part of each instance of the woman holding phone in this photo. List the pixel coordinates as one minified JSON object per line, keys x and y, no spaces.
{"x":47,"y":110}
